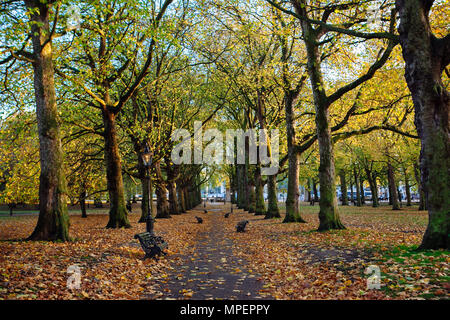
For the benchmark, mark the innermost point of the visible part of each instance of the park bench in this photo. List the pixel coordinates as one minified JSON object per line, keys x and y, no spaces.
{"x":152,"y":245}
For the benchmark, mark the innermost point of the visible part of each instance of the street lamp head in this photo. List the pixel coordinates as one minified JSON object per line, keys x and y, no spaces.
{"x":147,"y":157}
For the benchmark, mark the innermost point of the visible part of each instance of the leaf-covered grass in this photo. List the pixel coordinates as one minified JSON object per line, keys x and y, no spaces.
{"x":331,"y":265}
{"x":293,"y":260}
{"x":428,"y":267}
{"x":110,"y":260}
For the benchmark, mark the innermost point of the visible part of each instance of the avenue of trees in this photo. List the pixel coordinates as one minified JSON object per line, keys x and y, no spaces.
{"x":357,"y":89}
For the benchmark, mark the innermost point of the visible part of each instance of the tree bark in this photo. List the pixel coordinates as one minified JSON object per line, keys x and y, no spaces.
{"x":145,"y":183}
{"x":240,"y":186}
{"x":233,"y":186}
{"x":53,"y":221}
{"x":172,"y":173}
{"x":260,"y":208}
{"x":272,"y":207}
{"x":375,"y":202}
{"x":117,"y":211}
{"x":362,"y":193}
{"x":373,"y":186}
{"x":181,"y":199}
{"x":393,"y":195}
{"x":425,"y":59}
{"x":399,"y":197}
{"x":358,"y":187}
{"x":173,"y":199}
{"x":311,"y":193}
{"x":251,"y":198}
{"x":407,"y":188}
{"x":82,"y":201}
{"x":247,"y":187}
{"x":315,"y":193}
{"x":162,"y":205}
{"x":292,"y":203}
{"x":328,"y":214}
{"x":343,"y":188}
{"x":186,"y":198}
{"x":422,"y":205}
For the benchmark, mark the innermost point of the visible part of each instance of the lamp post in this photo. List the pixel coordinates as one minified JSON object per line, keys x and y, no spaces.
{"x":147,"y":157}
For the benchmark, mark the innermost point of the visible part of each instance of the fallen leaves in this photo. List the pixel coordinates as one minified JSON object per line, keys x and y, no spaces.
{"x":296,"y":262}
{"x":291,"y":261}
{"x":110,"y":261}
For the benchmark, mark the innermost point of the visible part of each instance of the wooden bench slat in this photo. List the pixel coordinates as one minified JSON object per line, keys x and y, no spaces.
{"x":152,"y":245}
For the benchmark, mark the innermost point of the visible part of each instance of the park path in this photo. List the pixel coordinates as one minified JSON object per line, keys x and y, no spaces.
{"x":213,"y":272}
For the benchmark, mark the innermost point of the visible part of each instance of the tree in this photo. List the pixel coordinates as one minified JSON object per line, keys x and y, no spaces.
{"x":317,"y":33}
{"x":53,"y":221}
{"x":106,"y":67}
{"x":328,"y":215}
{"x":426,"y":57}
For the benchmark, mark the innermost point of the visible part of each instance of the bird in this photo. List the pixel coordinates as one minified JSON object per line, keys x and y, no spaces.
{"x":227,"y":215}
{"x":205,"y":211}
{"x":199,"y":220}
{"x":240,"y":227}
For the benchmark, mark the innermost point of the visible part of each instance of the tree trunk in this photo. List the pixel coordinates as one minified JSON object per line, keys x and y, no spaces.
{"x":407,"y":188}
{"x":351,"y":193}
{"x":343,"y":188}
{"x":358,"y":188}
{"x":172,"y":172}
{"x":173,"y":199}
{"x":362,"y":194}
{"x":240,"y":186}
{"x":425,"y":59}
{"x":118,"y":211}
{"x":162,"y":205}
{"x":247,"y":188}
{"x":182,"y":202}
{"x":391,"y":202}
{"x":272,"y":207}
{"x":260,"y":208}
{"x":292,"y":203}
{"x":82,"y":201}
{"x":373,"y":186}
{"x":53,"y":221}
{"x":251,"y":198}
{"x":316,"y":194}
{"x":233,"y":185}
{"x":422,"y":205}
{"x":145,"y":183}
{"x":311,"y":192}
{"x":375,"y":202}
{"x":392,"y":188}
{"x":186,"y":198}
{"x":328,"y":214}
{"x":399,"y":197}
